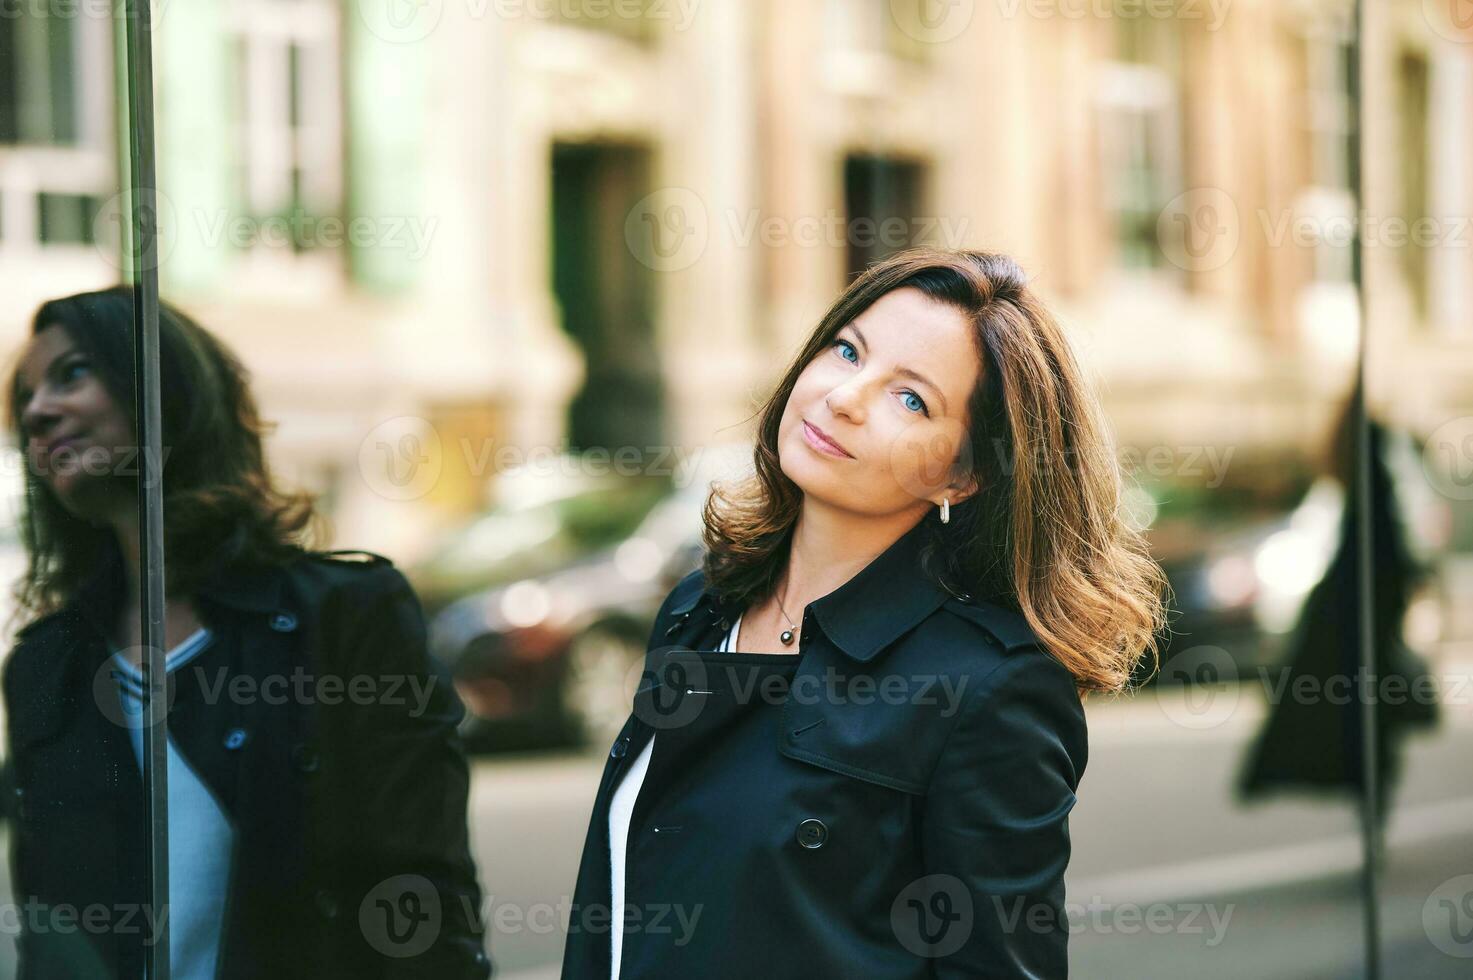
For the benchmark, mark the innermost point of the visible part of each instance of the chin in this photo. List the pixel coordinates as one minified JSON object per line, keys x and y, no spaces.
{"x":819,"y":486}
{"x":84,"y":499}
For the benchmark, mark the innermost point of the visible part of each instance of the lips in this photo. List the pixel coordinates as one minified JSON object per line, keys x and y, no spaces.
{"x":826,"y":439}
{"x":52,"y":446}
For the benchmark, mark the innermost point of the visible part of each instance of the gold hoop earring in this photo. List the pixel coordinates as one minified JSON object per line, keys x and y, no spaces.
{"x":945,"y":510}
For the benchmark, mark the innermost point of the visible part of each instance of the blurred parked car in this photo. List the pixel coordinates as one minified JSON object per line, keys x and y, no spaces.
{"x":1241,"y":591}
{"x":549,"y":654}
{"x":544,"y":519}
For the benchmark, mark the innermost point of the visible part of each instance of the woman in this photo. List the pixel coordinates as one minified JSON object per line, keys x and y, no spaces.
{"x":863,"y":730}
{"x":1315,"y":745}
{"x":310,"y":799}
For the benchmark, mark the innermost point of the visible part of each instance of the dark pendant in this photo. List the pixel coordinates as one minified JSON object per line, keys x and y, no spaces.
{"x":786,"y":636}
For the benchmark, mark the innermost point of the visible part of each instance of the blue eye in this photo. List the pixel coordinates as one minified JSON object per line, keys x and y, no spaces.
{"x":69,"y":370}
{"x":846,"y":344}
{"x":920,"y":405}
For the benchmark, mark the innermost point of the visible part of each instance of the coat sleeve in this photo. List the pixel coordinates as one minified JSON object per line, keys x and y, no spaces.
{"x":409,"y":856}
{"x":995,"y":828}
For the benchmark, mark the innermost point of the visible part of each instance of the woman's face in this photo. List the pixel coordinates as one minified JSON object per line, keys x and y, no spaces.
{"x":892,"y":390}
{"x":75,"y":435}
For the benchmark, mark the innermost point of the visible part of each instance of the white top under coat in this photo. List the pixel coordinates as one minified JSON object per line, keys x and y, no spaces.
{"x":201,"y":837}
{"x":621,"y":810}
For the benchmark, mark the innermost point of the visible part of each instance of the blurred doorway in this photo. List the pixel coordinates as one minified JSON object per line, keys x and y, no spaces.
{"x":607,"y":296}
{"x":883,"y":200}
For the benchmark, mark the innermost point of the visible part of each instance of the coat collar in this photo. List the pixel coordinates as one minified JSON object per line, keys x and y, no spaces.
{"x":883,"y":601}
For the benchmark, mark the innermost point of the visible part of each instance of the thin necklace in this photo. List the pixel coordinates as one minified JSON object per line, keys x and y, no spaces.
{"x":786,"y":635}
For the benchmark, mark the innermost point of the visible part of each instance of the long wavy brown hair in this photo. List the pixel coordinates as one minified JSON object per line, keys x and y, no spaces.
{"x":220,"y":503}
{"x":1045,"y":536}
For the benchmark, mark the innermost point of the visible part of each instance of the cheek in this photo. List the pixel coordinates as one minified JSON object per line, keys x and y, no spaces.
{"x":924,"y":456}
{"x":106,"y":416}
{"x":809,"y":385}
{"x":807,"y":391}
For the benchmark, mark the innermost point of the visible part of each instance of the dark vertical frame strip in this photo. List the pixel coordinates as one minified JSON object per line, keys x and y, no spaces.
{"x":148,"y":423}
{"x":1370,"y":801}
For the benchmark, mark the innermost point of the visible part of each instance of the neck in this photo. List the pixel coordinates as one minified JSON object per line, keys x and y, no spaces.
{"x":829,"y":547}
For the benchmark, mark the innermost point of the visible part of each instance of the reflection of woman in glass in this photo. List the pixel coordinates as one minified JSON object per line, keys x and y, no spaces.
{"x":1314,"y":744}
{"x":861,"y":732}
{"x":316,"y":785}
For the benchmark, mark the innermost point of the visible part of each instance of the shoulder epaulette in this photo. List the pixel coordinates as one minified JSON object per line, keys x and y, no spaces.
{"x":1009,"y":627}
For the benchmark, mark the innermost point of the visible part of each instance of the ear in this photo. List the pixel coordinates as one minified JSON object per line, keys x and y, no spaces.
{"x":956,"y":491}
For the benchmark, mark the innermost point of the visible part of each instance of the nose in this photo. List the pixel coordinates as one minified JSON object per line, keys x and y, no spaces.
{"x":39,"y":414}
{"x":847,"y":399}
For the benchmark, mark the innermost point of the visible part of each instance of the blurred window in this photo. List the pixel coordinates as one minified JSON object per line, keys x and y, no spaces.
{"x":288,"y":112}
{"x":1139,"y":122}
{"x":56,"y":150}
{"x":1434,"y":151}
{"x":1328,"y":200}
{"x":1412,"y":91}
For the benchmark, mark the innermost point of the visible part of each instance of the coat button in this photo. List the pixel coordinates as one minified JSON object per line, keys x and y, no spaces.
{"x":621,"y":746}
{"x":304,"y":757}
{"x":283,"y":622}
{"x":327,"y":903}
{"x":235,"y":738}
{"x":812,"y":833}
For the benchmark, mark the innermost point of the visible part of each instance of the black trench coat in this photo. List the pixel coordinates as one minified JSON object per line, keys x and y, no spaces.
{"x":344,"y":806}
{"x":918,"y":833}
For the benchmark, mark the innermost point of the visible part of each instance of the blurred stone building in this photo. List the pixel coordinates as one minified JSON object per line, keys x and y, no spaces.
{"x":437,"y":227}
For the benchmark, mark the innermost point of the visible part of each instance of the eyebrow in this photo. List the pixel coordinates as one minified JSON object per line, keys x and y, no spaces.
{"x":904,"y":372}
